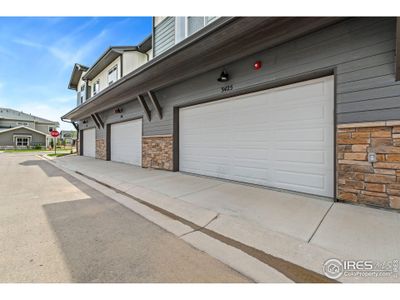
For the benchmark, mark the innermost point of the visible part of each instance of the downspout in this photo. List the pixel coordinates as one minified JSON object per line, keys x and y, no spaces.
{"x":87,"y":90}
{"x":121,"y":60}
{"x":147,"y":55}
{"x":153,"y":31}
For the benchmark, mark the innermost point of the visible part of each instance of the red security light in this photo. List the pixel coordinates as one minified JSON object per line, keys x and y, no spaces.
{"x":257,"y":65}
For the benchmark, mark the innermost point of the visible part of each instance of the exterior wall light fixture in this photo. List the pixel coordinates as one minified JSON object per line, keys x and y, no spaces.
{"x":224,"y":77}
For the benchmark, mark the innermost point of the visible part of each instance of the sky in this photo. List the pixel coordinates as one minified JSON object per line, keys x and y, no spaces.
{"x":37,"y":55}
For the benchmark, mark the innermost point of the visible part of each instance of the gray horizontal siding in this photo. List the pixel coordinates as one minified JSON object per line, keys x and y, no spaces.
{"x":7,"y":138}
{"x":360,"y":49}
{"x":130,"y":110}
{"x":164,"y":35}
{"x":90,"y":124}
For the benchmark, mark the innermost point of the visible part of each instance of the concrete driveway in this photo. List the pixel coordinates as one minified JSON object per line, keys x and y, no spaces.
{"x":292,"y":214}
{"x":54,"y":228}
{"x":304,"y":230}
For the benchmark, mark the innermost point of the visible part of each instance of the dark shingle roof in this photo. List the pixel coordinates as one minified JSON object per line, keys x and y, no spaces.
{"x":76,"y":75}
{"x":12,"y":114}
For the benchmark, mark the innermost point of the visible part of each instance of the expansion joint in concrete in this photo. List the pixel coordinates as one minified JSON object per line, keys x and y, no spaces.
{"x":200,"y":228}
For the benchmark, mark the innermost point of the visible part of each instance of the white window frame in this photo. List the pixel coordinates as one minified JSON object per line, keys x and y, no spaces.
{"x":22,"y":124}
{"x":27,"y":138}
{"x":110,"y":71}
{"x":82,"y":94}
{"x":96,"y":90}
{"x":186,"y":27}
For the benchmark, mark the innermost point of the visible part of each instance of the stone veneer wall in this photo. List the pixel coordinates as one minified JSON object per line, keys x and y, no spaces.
{"x":101,"y":149}
{"x":360,"y":181}
{"x":78,"y":148}
{"x":157,"y":152}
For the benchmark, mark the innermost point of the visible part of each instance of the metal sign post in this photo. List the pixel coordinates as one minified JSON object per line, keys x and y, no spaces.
{"x":55,"y":134}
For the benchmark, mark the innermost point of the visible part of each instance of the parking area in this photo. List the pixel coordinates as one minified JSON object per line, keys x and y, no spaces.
{"x":54,"y":228}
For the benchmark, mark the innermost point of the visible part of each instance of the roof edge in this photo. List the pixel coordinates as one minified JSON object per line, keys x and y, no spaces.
{"x":117,"y":49}
{"x":28,"y":128}
{"x":77,"y":68}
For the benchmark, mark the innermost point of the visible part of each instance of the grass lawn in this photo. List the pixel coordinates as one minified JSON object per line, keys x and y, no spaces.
{"x":60,"y":151}
{"x":24,"y":150}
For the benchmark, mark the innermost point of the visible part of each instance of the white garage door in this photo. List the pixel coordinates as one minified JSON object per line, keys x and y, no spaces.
{"x":89,"y":142}
{"x":282,"y":137}
{"x":126,"y":142}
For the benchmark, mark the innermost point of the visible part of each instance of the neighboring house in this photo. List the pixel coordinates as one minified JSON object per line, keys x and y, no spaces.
{"x":310,"y":105}
{"x":68,"y":136}
{"x":19,"y":129}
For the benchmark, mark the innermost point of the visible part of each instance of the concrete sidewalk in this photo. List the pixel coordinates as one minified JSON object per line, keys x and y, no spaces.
{"x":301,"y":229}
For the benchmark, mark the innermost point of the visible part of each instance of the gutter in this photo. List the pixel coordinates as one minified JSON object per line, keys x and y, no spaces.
{"x":71,"y":122}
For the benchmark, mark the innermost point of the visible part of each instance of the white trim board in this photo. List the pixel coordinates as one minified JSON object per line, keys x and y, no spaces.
{"x":24,"y":127}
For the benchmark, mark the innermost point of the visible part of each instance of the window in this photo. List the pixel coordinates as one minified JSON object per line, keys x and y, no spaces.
{"x":82,"y":93}
{"x":186,"y":26}
{"x":96,"y":87}
{"x":194,"y":24}
{"x":113,"y":75}
{"x":22,"y":124}
{"x":22,"y":141}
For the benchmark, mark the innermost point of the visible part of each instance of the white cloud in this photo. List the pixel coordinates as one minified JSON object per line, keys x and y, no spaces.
{"x":66,"y":49}
{"x":28,"y":43}
{"x":69,"y":57}
{"x":50,"y":112}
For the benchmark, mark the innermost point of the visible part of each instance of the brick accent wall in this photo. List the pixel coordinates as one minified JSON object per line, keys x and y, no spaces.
{"x":101,"y":149}
{"x":157,"y":152}
{"x":360,"y":181}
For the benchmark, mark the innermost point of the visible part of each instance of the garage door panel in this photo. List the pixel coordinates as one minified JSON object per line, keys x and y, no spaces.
{"x":251,"y":154}
{"x":297,"y":92}
{"x":315,"y":157}
{"x":126,"y":142}
{"x":296,"y":134}
{"x":306,"y":114}
{"x":209,"y":169}
{"x":280,"y":138}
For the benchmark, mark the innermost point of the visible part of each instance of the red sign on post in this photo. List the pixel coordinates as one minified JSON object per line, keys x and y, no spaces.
{"x":54,"y":133}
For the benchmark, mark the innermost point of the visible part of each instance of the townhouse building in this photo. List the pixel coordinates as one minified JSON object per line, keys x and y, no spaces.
{"x":23,"y":130}
{"x":308,"y":105}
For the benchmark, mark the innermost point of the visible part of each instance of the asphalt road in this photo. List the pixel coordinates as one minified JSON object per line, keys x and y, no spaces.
{"x":54,"y":228}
